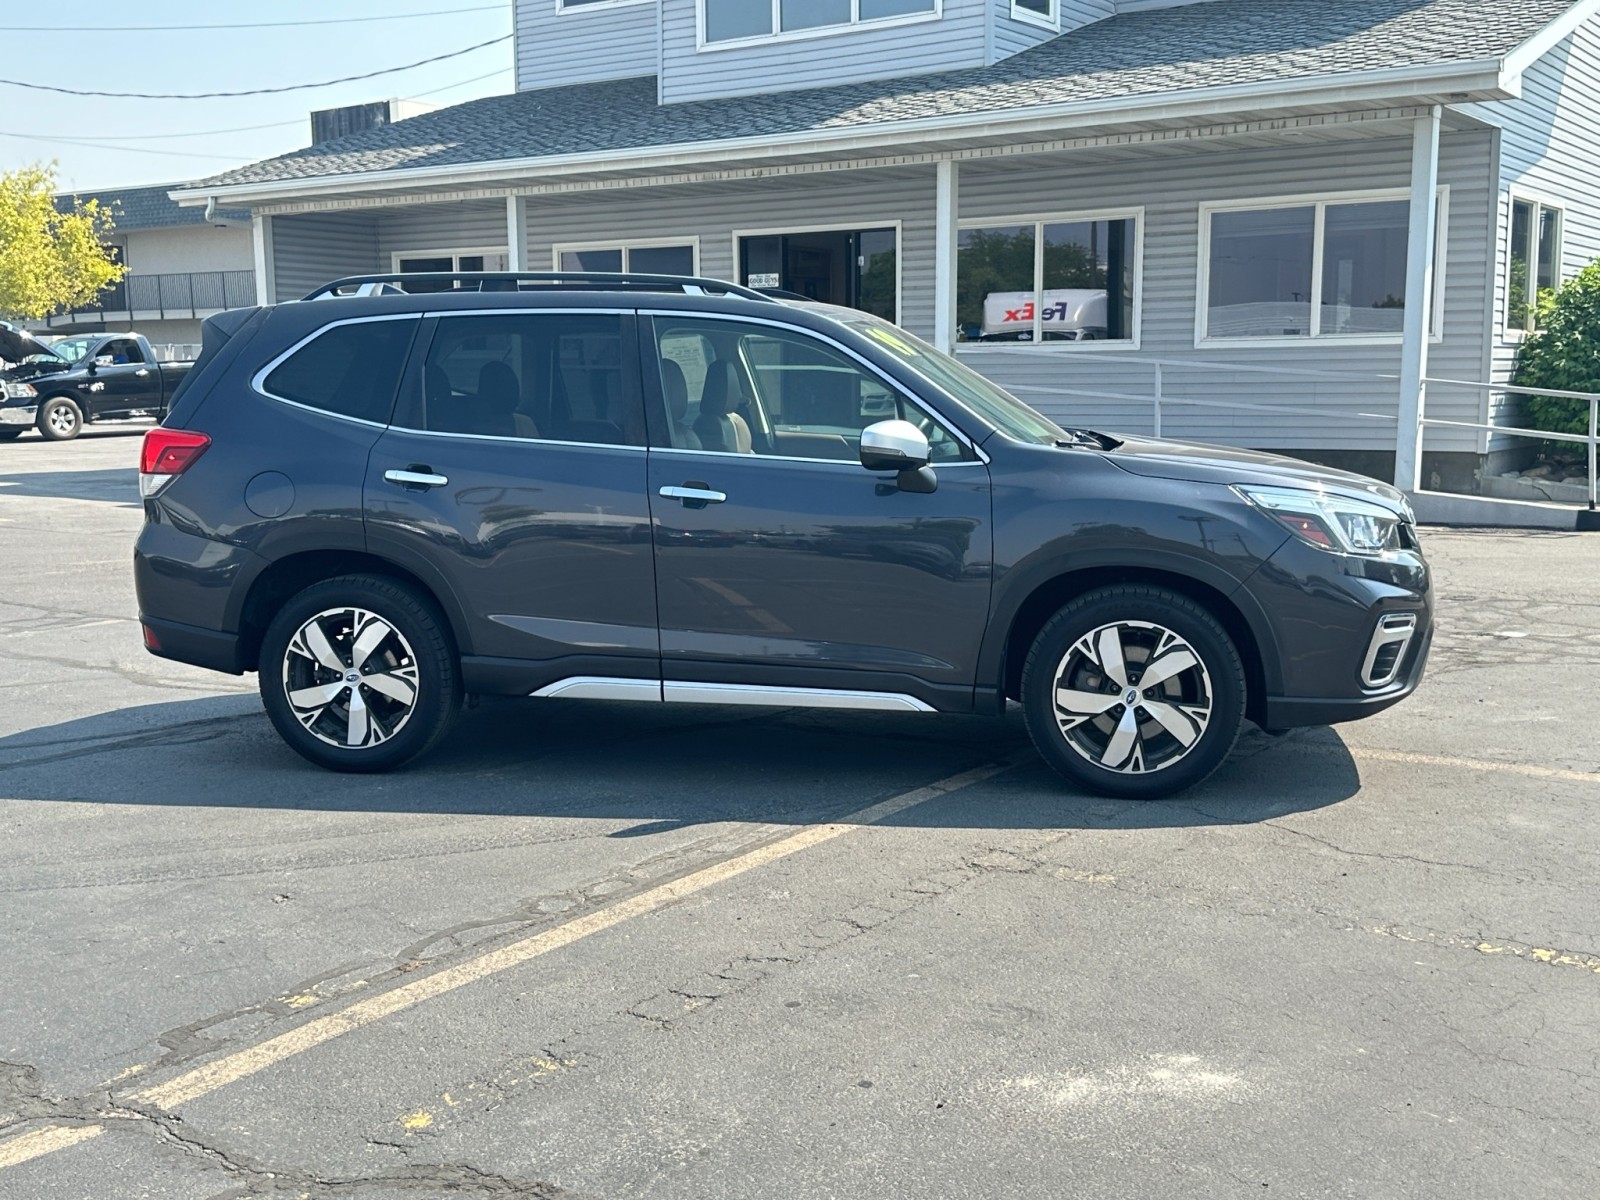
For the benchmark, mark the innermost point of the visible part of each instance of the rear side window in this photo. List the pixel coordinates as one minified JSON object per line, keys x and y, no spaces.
{"x":348,"y":370}
{"x":537,"y":376}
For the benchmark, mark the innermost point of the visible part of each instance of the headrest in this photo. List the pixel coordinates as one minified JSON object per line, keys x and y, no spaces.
{"x":674,"y":383}
{"x":723,"y":393}
{"x":498,"y":387}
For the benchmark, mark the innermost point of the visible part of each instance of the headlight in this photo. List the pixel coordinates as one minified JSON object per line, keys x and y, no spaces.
{"x":20,"y":391}
{"x":1328,"y":522}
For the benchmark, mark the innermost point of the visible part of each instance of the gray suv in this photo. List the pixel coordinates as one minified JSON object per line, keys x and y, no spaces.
{"x":681,"y":491}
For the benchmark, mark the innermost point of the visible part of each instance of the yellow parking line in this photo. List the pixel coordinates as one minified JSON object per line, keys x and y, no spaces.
{"x":253,"y":1059}
{"x":1477,"y":764}
{"x":45,"y":1141}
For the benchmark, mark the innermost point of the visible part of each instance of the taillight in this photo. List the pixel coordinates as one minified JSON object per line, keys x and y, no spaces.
{"x":168,"y":453}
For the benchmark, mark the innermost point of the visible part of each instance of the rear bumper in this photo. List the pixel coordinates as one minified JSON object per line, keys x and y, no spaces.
{"x":198,"y":647}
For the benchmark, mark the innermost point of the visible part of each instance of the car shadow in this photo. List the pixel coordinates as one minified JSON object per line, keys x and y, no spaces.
{"x":110,"y":485}
{"x":658,"y":767}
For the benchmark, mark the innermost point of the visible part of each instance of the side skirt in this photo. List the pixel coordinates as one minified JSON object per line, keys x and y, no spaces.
{"x":596,"y":687}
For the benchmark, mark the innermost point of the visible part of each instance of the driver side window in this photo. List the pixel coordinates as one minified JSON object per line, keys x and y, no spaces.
{"x":764,"y":390}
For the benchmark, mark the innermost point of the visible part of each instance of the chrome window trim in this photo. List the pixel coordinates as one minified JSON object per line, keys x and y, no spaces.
{"x":258,"y":381}
{"x":520,"y":441}
{"x":850,"y":463}
{"x":889,"y":380}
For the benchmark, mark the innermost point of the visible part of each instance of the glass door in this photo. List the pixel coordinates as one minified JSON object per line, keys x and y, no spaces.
{"x":851,"y":268}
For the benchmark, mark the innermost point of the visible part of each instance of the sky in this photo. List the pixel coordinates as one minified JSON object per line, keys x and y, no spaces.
{"x":133,"y":139}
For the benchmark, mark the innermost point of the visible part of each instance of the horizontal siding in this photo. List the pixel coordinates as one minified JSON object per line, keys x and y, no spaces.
{"x":455,"y":226}
{"x":712,"y":212}
{"x":314,"y":249}
{"x":1549,"y":147}
{"x":687,"y":73}
{"x":1013,"y":37}
{"x":584,"y":44}
{"x":1326,"y":413}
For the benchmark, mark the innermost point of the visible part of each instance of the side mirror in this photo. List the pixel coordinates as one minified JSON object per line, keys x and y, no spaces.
{"x":901,"y":447}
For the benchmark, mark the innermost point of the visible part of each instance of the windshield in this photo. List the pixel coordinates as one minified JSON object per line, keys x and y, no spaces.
{"x":73,"y":348}
{"x":984,"y":398}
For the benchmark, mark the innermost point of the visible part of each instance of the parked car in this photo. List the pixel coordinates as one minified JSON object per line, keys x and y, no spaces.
{"x":382,"y":502}
{"x":75,"y":381}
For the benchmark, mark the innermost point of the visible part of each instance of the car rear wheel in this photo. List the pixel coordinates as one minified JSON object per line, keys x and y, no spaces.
{"x":60,"y":419}
{"x":359,"y":674}
{"x":1134,"y":691}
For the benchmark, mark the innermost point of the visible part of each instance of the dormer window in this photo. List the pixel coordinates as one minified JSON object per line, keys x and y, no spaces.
{"x":1038,"y":12}
{"x":726,"y":21}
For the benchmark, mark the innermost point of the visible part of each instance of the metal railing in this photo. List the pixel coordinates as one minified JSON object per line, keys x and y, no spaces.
{"x":1160,"y":398}
{"x":185,"y":294}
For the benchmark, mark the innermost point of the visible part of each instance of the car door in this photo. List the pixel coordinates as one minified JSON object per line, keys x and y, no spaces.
{"x":128,"y":383}
{"x":513,"y":479}
{"x":780,"y":561}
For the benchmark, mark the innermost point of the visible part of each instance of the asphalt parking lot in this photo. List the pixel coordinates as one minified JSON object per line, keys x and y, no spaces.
{"x":611,"y":952}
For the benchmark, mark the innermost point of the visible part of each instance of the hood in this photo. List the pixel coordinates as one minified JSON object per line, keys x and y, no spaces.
{"x":1199,"y":463}
{"x":18,"y":344}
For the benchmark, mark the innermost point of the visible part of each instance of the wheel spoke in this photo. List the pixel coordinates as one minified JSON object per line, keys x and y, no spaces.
{"x":399,"y":684}
{"x":1108,"y":652}
{"x":1174,"y":662}
{"x":1186,"y":725}
{"x":360,"y":730}
{"x":317,"y":698}
{"x":313,"y":644}
{"x":368,"y":638}
{"x":1123,"y":742}
{"x":1073,"y":707}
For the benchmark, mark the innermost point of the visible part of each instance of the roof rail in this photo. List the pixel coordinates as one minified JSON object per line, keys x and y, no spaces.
{"x":512,"y":281}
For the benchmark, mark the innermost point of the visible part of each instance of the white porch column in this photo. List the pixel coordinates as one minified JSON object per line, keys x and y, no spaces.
{"x":1422,"y":239}
{"x":517,"y":232}
{"x":946,"y":209}
{"x":266,"y":282}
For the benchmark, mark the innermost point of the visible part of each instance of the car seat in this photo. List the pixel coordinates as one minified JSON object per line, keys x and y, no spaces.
{"x":718,"y":426}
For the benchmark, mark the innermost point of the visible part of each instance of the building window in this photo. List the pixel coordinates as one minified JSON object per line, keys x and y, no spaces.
{"x":448,"y":262}
{"x":1320,"y":269}
{"x":1037,"y":12}
{"x":738,"y":20}
{"x":566,"y":5}
{"x":1071,"y":279}
{"x":641,"y":258}
{"x":1535,"y":265}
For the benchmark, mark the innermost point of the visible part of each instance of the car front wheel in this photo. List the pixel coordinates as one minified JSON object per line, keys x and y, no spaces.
{"x":60,"y":420}
{"x":1134,"y":691}
{"x":359,"y":674}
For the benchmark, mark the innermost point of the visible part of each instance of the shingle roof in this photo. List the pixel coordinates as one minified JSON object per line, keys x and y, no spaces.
{"x":1216,"y":44}
{"x":147,"y":208}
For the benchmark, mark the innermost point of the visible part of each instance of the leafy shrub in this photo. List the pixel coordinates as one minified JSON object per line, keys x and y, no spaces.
{"x":1564,"y":355}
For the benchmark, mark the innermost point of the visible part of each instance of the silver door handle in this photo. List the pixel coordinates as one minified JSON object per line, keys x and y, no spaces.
{"x":141,"y":374}
{"x":415,"y":479}
{"x":703,"y":495}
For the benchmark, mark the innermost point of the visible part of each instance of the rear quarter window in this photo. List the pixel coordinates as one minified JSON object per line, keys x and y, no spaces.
{"x":348,"y":370}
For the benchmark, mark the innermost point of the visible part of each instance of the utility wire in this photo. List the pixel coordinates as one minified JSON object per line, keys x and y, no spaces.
{"x":296,"y":87}
{"x":60,"y":141}
{"x":69,"y":138}
{"x":440,"y":12}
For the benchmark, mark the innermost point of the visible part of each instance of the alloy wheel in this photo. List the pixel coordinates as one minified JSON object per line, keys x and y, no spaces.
{"x":1133,"y":697}
{"x":351,"y":678}
{"x":62,"y":419}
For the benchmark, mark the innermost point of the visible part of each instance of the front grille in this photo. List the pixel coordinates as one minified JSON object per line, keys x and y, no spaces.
{"x":1388,"y":650}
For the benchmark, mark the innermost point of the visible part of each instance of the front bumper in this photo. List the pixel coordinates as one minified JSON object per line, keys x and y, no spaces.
{"x":19,"y":415}
{"x":1294,"y":712}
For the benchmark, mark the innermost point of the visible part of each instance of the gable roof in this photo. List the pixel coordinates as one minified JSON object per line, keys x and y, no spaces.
{"x":1221,"y":44}
{"x":147,"y":208}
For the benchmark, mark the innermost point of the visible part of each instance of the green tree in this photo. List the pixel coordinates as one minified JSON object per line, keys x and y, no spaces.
{"x":1564,"y":355}
{"x":51,"y":257}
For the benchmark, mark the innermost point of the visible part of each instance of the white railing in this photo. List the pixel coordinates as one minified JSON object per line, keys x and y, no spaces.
{"x":1159,"y":398}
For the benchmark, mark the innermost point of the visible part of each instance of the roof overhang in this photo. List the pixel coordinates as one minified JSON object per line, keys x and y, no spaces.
{"x":1450,"y":83}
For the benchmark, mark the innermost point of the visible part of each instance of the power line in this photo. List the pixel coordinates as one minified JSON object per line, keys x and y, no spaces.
{"x":439,"y":12}
{"x":297,"y":87}
{"x":61,"y":141}
{"x":73,"y":139}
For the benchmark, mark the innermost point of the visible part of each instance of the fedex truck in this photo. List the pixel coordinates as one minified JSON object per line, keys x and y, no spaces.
{"x":1068,"y":315}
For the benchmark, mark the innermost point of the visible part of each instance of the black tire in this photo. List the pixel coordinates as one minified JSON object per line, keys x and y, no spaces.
{"x":1204,"y":703}
{"x":60,"y":419}
{"x":419,"y":653}
{"x":12,"y":434}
